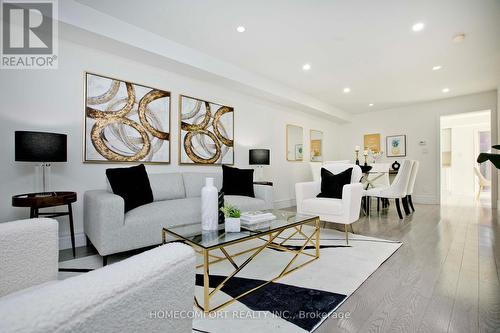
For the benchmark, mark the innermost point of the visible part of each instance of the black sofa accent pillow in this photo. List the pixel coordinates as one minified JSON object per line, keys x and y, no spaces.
{"x":132,"y":184}
{"x":332,"y":184}
{"x":237,"y":181}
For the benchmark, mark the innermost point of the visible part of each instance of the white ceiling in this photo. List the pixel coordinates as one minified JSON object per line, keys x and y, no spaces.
{"x":367,"y":45}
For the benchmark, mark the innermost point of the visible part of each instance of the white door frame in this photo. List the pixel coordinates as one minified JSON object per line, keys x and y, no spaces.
{"x":494,"y":136}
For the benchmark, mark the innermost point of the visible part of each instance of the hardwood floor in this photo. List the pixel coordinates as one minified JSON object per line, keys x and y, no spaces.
{"x":445,"y":277}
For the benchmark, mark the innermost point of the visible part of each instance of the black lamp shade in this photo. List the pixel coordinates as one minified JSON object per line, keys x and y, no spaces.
{"x":40,"y":147}
{"x":259,"y":157}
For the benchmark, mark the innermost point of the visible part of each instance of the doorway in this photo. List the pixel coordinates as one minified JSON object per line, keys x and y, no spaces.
{"x":463,"y":180}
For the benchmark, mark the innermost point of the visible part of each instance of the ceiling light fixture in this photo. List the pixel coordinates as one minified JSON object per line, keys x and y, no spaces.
{"x":458,"y":38}
{"x":419,"y":26}
{"x":371,"y":104}
{"x":436,"y":68}
{"x":446,"y":90}
{"x":347,"y":90}
{"x":306,"y":67}
{"x":241,"y":29}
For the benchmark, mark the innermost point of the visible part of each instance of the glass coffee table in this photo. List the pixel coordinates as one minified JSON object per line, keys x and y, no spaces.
{"x":205,"y":242}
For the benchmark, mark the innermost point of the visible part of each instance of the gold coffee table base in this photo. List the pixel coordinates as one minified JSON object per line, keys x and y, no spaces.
{"x":313,"y":239}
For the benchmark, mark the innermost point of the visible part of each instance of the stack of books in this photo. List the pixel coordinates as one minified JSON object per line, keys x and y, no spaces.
{"x":256,"y":217}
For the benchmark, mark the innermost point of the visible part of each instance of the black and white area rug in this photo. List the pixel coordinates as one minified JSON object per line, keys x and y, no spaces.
{"x":298,"y":302}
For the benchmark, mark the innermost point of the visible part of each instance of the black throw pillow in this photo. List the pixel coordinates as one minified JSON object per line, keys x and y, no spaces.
{"x":332,"y":185}
{"x":237,"y":181}
{"x":132,"y":184}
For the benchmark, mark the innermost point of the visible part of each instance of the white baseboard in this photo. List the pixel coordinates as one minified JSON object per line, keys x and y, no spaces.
{"x":279,"y":204}
{"x":65,"y":241}
{"x":425,"y":199}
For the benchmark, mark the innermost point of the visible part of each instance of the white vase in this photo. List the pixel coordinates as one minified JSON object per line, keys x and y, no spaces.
{"x":208,"y":236}
{"x":232,"y":224}
{"x":209,"y":206}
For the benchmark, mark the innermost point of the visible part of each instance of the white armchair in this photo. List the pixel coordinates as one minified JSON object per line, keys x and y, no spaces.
{"x":344,"y":211}
{"x":28,"y":253}
{"x":133,"y":295}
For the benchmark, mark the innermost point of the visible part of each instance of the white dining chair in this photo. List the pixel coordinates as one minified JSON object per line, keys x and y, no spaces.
{"x":411,"y":184}
{"x":483,"y":182}
{"x":378,"y":177}
{"x":397,"y":190}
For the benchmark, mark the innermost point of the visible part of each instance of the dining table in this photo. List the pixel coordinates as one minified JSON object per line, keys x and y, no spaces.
{"x":369,"y":182}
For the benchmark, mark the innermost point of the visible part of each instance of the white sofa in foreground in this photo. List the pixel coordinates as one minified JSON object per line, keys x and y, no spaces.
{"x":176,"y":201}
{"x":134,"y":295}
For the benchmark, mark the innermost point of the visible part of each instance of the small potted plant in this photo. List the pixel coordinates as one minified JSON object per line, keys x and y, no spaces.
{"x":231,"y":218}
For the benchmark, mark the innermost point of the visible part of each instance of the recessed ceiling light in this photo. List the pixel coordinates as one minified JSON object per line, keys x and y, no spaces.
{"x":347,"y":90}
{"x":436,"y":68}
{"x":371,"y":104}
{"x":306,"y":67}
{"x":419,"y":26}
{"x":241,"y":29}
{"x":458,"y":38}
{"x":446,"y":90}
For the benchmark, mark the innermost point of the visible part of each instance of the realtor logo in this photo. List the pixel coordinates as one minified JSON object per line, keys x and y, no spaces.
{"x":28,"y":34}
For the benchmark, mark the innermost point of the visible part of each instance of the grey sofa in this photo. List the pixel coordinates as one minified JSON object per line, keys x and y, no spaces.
{"x":176,"y":201}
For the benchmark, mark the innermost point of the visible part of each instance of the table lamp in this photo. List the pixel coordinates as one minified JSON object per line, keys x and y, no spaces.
{"x":259,"y":157}
{"x":40,"y":147}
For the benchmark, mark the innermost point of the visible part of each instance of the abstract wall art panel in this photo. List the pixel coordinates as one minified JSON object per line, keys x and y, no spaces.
{"x":206,"y":132}
{"x":372,"y":142}
{"x":125,"y":122}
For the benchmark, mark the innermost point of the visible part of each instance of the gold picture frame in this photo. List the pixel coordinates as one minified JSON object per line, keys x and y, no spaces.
{"x":217,"y":127}
{"x":294,"y":147}
{"x":372,"y":142}
{"x":107,"y":137}
{"x":316,"y":145}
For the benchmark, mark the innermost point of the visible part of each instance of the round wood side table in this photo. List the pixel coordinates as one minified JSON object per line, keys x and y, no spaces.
{"x":36,"y":201}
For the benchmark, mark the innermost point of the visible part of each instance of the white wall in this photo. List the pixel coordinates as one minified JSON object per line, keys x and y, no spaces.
{"x":52,"y":100}
{"x":419,"y":122}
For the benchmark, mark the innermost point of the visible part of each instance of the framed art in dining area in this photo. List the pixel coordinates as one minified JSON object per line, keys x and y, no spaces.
{"x":206,"y":135}
{"x":396,"y":146}
{"x":316,"y":141}
{"x":125,"y":122}
{"x":294,"y":143}
{"x":299,"y":152}
{"x":372,"y":142}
